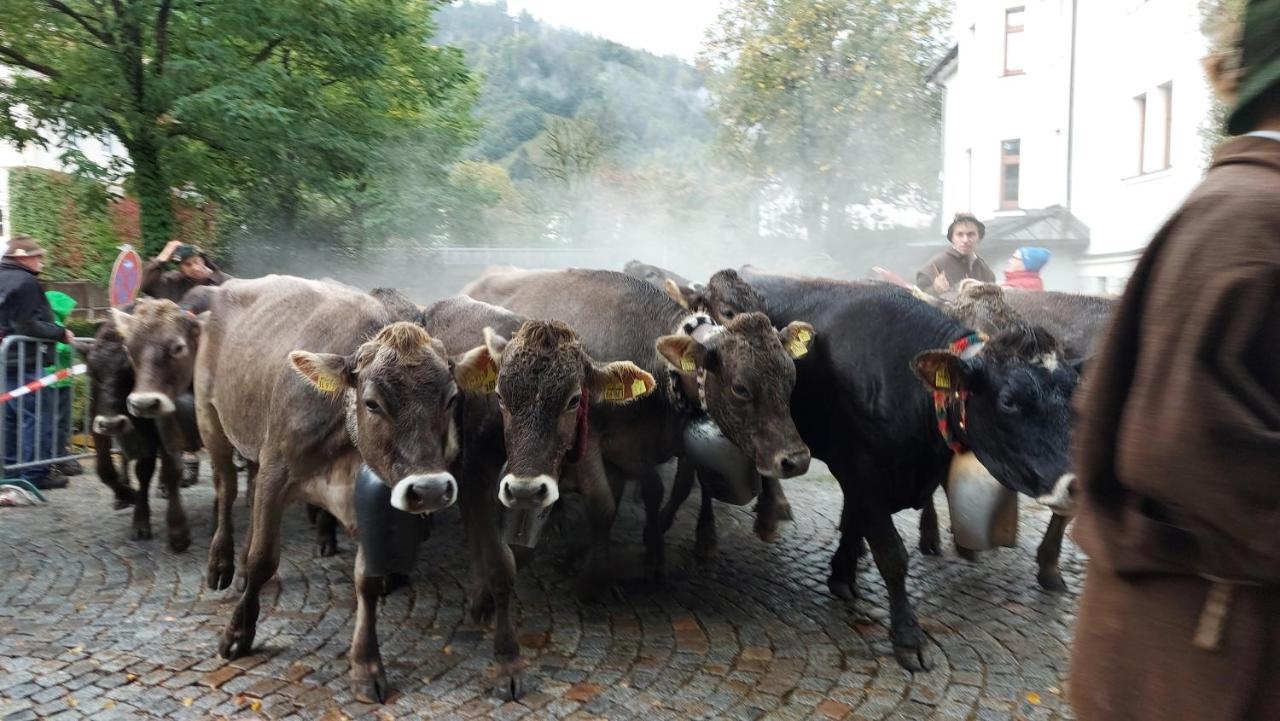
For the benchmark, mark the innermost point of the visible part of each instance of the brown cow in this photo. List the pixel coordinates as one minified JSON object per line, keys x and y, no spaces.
{"x":742,"y":376}
{"x":311,"y":379}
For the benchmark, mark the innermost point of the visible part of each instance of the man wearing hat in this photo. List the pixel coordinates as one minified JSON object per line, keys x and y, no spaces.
{"x":24,"y":310}
{"x":1179,"y":440}
{"x":944,"y":271}
{"x":191,"y":268}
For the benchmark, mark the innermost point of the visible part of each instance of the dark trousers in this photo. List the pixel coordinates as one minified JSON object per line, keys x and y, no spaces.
{"x":30,"y":424}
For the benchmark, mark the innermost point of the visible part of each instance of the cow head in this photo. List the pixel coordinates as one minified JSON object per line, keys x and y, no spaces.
{"x":746,"y":373}
{"x":161,"y":341}
{"x":547,"y":385}
{"x":724,"y":297}
{"x":110,"y":381}
{"x":1019,"y":416}
{"x":401,"y":405}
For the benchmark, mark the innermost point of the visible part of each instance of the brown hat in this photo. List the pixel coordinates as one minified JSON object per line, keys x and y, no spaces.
{"x":23,"y":246}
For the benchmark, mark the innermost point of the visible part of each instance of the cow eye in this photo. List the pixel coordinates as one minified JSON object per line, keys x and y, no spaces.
{"x":177,"y":349}
{"x":372,"y":406}
{"x":574,"y":402}
{"x":729,"y":313}
{"x":741,"y":391}
{"x":1008,"y":405}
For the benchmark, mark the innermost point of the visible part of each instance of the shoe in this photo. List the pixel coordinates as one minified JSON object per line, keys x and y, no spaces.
{"x":69,"y":468}
{"x":49,"y":482}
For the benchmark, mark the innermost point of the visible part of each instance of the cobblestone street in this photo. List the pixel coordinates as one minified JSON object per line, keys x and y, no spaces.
{"x":96,"y":625}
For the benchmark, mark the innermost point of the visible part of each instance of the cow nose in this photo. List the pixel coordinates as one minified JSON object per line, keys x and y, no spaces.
{"x":536,"y":492}
{"x":424,"y":493}
{"x":149,"y":405}
{"x":793,"y":463}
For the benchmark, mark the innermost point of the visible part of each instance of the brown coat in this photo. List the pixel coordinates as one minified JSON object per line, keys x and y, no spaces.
{"x":957,"y":267}
{"x":172,"y":284}
{"x":1178,"y":449}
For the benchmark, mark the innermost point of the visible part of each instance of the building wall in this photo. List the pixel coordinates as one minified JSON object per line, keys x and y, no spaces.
{"x":1124,"y":48}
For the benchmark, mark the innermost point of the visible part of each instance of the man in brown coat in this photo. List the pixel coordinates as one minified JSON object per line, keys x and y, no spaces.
{"x":1179,"y":453}
{"x":944,"y":271}
{"x":192,"y":268}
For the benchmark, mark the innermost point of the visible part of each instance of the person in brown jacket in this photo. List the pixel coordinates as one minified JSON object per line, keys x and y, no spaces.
{"x":944,"y":271}
{"x":192,"y":268}
{"x":1179,"y":442}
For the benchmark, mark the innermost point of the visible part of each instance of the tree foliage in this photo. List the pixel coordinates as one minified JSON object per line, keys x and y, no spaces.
{"x":272,"y":108}
{"x":827,"y":101}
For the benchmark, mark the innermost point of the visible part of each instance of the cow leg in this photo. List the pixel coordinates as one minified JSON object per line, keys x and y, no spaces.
{"x":930,"y":539}
{"x":106,"y":466}
{"x":368,"y":677}
{"x":252,"y":475}
{"x":597,"y":575}
{"x":326,"y":534}
{"x":1049,"y":575}
{"x":263,"y":558}
{"x":843,"y":581}
{"x":144,"y":468}
{"x":704,"y":544}
{"x":175,"y":515}
{"x":891,"y":559}
{"x":770,"y":507}
{"x":221,"y":566}
{"x":651,"y":492}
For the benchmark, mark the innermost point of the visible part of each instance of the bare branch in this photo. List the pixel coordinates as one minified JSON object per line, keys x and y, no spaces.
{"x":266,"y":50}
{"x":17,"y":58}
{"x":98,"y":32}
{"x":162,"y":36}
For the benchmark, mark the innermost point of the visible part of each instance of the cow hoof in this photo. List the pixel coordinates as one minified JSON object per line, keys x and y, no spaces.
{"x":179,"y":539}
{"x":480,"y":610}
{"x":327,"y":548}
{"x":369,"y":682}
{"x":912,"y":658}
{"x":704,"y":550}
{"x":1051,"y":581}
{"x":241,"y":583}
{"x":219,"y":575}
{"x":235,"y":642}
{"x":967,"y":554}
{"x":393,"y":582}
{"x":125,"y":497}
{"x":842,"y":589}
{"x":142,"y":531}
{"x":766,"y":529}
{"x":930,"y":546}
{"x":655,"y":571}
{"x":510,"y":681}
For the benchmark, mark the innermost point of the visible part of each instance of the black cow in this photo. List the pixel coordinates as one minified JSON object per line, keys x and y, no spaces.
{"x":865,"y":403}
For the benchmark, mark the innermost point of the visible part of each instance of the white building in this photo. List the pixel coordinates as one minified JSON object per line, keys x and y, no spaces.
{"x":1073,"y":124}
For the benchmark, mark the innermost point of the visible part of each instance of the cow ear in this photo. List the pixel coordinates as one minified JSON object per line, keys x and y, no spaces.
{"x":676,"y":293}
{"x":683,"y":353}
{"x":942,"y":371}
{"x":477,"y":370}
{"x":495,"y":343}
{"x":797,"y":338}
{"x":198,"y":322}
{"x":619,"y":382}
{"x":326,"y":372}
{"x":123,"y":322}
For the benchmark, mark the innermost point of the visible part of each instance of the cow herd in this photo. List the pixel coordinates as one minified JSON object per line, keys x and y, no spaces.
{"x":536,"y":384}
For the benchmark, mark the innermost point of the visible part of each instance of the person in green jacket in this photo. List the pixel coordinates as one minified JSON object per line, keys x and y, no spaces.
{"x":59,"y":434}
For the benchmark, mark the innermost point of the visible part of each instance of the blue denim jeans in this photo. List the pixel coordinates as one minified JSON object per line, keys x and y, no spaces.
{"x":22,"y":424}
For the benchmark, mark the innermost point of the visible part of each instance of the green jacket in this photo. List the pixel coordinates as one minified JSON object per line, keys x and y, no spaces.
{"x":62,"y":305}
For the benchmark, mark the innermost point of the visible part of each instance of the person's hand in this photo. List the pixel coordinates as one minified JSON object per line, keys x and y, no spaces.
{"x":168,"y":250}
{"x":68,"y":336}
{"x":940,"y":282}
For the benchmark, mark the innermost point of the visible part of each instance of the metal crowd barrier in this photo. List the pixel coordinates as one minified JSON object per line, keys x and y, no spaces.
{"x":42,"y":424}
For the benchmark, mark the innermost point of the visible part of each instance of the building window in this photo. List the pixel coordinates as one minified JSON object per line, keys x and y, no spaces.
{"x":1014,"y":40}
{"x":1010,"y":167}
{"x":1140,"y":106}
{"x":1166,"y":97}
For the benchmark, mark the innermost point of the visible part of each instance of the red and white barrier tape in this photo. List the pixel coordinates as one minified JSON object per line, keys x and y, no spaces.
{"x":33,"y":386}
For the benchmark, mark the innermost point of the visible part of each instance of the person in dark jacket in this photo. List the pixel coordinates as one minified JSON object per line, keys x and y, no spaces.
{"x":25,"y":311}
{"x":944,"y":271}
{"x":1179,"y":441}
{"x":191,"y":268}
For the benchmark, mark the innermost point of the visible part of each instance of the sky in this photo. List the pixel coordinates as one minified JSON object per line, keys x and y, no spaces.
{"x":664,"y":27}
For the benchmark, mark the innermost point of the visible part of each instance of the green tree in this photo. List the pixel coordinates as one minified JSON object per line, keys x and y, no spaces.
{"x":269,"y":103}
{"x":828,"y":101}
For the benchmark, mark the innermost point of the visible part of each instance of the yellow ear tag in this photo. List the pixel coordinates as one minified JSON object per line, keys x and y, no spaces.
{"x":615,"y":392}
{"x":803,"y":335}
{"x":638,"y":388}
{"x":326,"y":384}
{"x":686,"y":363}
{"x":942,"y":378}
{"x":798,"y":348}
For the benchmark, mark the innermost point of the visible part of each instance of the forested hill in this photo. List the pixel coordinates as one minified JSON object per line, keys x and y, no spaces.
{"x":644,"y":105}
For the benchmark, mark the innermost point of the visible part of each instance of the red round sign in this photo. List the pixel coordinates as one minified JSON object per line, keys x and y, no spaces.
{"x":126,"y":277}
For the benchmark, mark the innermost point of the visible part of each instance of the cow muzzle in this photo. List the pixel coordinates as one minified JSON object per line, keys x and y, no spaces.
{"x":111,"y":425}
{"x":1063,"y":499}
{"x":149,"y":405}
{"x":528,"y":493}
{"x":787,"y":464}
{"x":424,"y":493}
